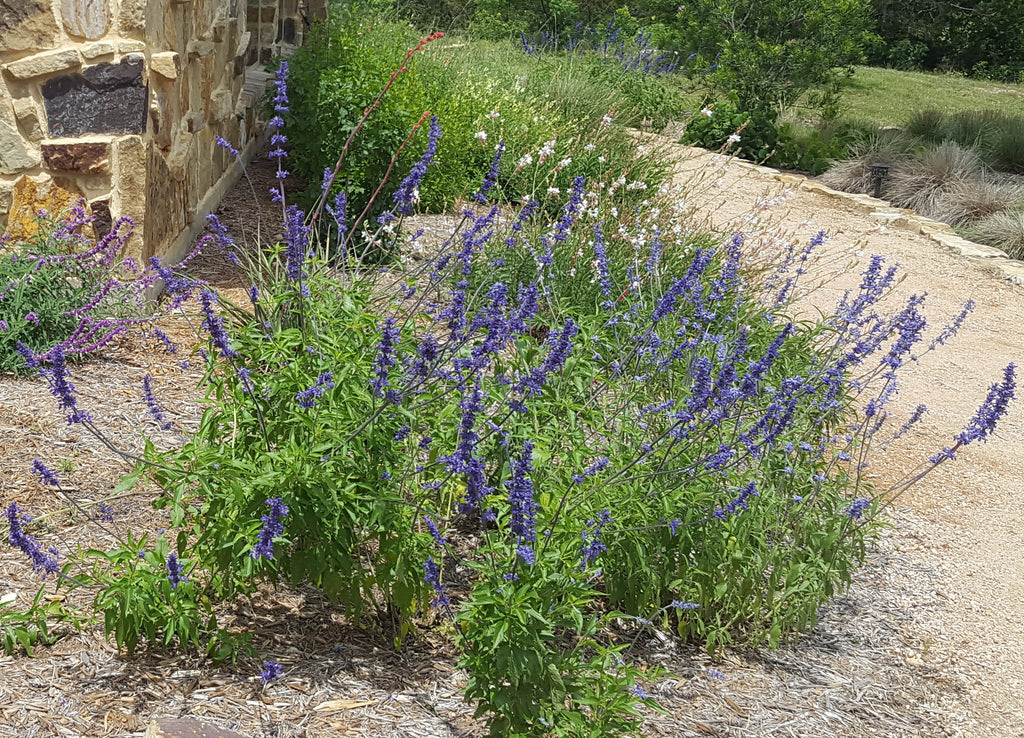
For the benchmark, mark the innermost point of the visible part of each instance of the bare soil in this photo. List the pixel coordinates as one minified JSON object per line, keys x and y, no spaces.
{"x":928,"y":642}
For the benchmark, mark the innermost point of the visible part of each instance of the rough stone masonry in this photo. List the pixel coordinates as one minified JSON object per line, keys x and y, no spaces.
{"x":119,"y":103}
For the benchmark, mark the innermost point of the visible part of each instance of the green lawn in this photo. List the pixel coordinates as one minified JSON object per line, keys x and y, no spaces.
{"x":891,"y":97}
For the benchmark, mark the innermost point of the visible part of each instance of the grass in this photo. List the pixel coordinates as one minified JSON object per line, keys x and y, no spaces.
{"x":890,"y":97}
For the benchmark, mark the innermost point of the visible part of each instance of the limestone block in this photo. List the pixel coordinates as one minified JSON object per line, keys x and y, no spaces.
{"x":178,"y":158}
{"x":104,"y":98}
{"x":160,"y":117}
{"x":6,"y":196}
{"x":167,"y":64}
{"x":166,"y":204}
{"x":129,"y":188}
{"x":131,"y":47}
{"x":81,"y":157}
{"x":46,"y":63}
{"x":30,"y":117}
{"x":132,"y":19}
{"x":86,"y":18}
{"x":27,"y":25}
{"x":195,"y":121}
{"x":34,"y":194}
{"x":16,"y":154}
{"x":101,"y":48}
{"x":219,"y":27}
{"x":198,"y":49}
{"x":222,"y":104}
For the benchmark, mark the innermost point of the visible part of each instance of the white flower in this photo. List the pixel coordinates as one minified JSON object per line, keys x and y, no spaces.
{"x":707,"y":112}
{"x":480,"y":136}
{"x":606,"y":120}
{"x":564,"y":163}
{"x":554,"y":191}
{"x":589,"y":147}
{"x":734,"y":138}
{"x":494,"y":114}
{"x":525,"y":161}
{"x":601,"y":159}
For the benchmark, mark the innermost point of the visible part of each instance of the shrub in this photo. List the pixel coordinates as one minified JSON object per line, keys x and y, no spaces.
{"x":968,"y":201}
{"x":922,"y":183}
{"x":772,"y":54}
{"x":723,"y":126}
{"x":891,"y":147}
{"x":61,"y":289}
{"x":997,"y":136}
{"x":1004,"y":230}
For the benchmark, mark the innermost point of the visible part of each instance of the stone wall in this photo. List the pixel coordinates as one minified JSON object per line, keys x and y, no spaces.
{"x":119,"y":102}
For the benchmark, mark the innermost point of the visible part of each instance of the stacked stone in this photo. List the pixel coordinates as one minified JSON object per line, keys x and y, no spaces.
{"x":119,"y":102}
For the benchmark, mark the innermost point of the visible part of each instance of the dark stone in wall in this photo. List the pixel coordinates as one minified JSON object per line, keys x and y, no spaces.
{"x":104,"y":98}
{"x":102,"y":220}
{"x":84,"y":157}
{"x":286,"y":31}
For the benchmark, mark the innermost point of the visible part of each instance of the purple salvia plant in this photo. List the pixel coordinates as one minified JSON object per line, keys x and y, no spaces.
{"x":734,"y":506}
{"x":523,"y":523}
{"x":277,"y":139}
{"x":296,"y":235}
{"x":214,"y":325}
{"x":307,"y":398}
{"x":42,"y":561}
{"x":272,"y":528}
{"x":408,"y":192}
{"x":175,"y":571}
{"x":432,"y":576}
{"x":593,"y":544}
{"x":491,"y":178}
{"x":60,"y":386}
{"x":153,"y":407}
{"x":46,"y":476}
{"x":386,"y":352}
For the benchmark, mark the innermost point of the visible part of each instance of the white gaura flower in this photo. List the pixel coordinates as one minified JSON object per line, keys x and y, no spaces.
{"x":707,"y":112}
{"x":480,"y":136}
{"x":734,"y":138}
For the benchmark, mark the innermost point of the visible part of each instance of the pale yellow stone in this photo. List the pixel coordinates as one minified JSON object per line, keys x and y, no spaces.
{"x":46,"y":63}
{"x":222,"y":104}
{"x":167,"y":64}
{"x":86,"y":18}
{"x":30,"y":116}
{"x":131,"y":47}
{"x":101,"y":48}
{"x":129,"y":189}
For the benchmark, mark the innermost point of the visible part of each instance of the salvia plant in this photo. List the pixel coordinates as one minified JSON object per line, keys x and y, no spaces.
{"x":558,"y":426}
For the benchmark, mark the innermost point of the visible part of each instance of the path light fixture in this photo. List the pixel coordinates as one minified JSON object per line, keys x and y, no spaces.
{"x":878,"y":173}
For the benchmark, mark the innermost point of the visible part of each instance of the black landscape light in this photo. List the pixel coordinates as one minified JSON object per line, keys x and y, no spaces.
{"x":878,"y":173}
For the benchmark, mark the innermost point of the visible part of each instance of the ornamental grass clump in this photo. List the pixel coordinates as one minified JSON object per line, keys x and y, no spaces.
{"x":568,"y":418}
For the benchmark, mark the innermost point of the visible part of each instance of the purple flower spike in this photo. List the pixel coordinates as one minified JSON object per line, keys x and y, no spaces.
{"x":45,"y":475}
{"x":408,"y":193}
{"x":491,"y":178}
{"x":61,"y":388}
{"x":272,"y":528}
{"x":992,"y":409}
{"x":385,"y":356}
{"x":175,"y":571}
{"x":271,"y":670}
{"x":47,"y":563}
{"x":153,"y":407}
